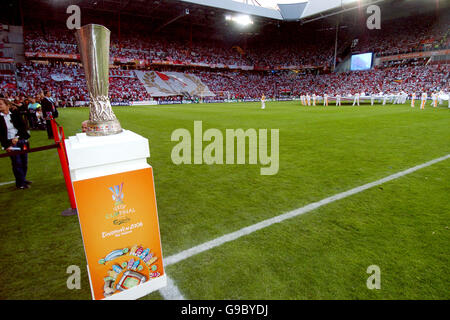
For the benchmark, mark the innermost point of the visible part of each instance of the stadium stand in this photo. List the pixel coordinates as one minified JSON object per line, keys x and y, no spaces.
{"x":277,"y":70}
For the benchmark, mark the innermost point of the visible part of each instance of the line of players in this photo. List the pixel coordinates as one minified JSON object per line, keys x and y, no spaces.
{"x":399,"y":98}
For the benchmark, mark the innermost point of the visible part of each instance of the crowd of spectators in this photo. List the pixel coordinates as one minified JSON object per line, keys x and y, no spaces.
{"x":61,"y":41}
{"x":410,"y":34}
{"x":68,"y":85}
{"x":8,"y":83}
{"x":406,"y":35}
{"x":410,"y":79}
{"x":67,"y":82}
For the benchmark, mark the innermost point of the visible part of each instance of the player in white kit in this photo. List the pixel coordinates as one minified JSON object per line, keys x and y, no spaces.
{"x":400,"y":97}
{"x":439,"y":97}
{"x":434,"y":99}
{"x":356,"y":99}
{"x":385,"y":96}
{"x":413,"y":99}
{"x":372,"y":98}
{"x":338,"y":100}
{"x":424,"y":100}
{"x":263,"y":101}
{"x":396,"y":96}
{"x":325,"y":99}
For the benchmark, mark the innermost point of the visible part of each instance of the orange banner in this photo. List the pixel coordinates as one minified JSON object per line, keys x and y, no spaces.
{"x":119,"y":224}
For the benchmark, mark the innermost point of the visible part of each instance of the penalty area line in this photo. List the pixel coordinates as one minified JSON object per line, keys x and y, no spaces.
{"x":183,"y":255}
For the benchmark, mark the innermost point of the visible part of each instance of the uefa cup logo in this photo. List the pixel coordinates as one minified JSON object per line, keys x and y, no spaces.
{"x":117,"y":194}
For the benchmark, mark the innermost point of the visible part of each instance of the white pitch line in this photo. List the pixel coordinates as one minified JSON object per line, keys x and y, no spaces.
{"x":183,"y":255}
{"x":5,"y":183}
{"x":171,"y":291}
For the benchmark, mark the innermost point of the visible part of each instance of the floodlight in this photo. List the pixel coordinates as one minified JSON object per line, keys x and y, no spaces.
{"x":243,"y":19}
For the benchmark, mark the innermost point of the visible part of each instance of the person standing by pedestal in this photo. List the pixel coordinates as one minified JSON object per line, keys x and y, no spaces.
{"x":32,"y":106}
{"x":13,"y":135}
{"x":49,"y":110}
{"x":23,"y":109}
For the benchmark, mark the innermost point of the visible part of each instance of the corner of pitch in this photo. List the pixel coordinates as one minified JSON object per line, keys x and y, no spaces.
{"x":220,"y":150}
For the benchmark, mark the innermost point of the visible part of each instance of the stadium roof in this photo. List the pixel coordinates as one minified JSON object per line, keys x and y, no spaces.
{"x":284,"y":9}
{"x":206,"y":19}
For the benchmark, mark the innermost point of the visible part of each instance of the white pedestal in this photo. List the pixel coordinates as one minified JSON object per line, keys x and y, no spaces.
{"x":99,"y":156}
{"x":91,"y":157}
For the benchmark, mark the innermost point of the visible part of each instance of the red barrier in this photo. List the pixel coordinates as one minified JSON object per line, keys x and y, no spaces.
{"x":15,"y":153}
{"x":58,"y":135}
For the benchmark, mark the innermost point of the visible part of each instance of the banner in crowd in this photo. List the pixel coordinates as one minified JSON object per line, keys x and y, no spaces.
{"x":412,"y":55}
{"x":164,"y":84}
{"x":61,"y":77}
{"x":52,"y":55}
{"x":144,"y":103}
{"x":9,"y":86}
{"x":119,"y":224}
{"x":117,"y":73}
{"x":6,"y":60}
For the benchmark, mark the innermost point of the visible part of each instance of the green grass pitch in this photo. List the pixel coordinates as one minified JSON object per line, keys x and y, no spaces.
{"x":402,"y":226}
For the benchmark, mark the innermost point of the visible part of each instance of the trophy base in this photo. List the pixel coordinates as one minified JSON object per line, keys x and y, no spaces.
{"x":104,"y":128}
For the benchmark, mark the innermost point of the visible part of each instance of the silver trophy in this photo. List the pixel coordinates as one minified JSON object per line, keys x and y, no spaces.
{"x":93,"y":43}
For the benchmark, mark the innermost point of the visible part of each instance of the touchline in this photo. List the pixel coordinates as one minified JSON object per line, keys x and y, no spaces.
{"x":235,"y":139}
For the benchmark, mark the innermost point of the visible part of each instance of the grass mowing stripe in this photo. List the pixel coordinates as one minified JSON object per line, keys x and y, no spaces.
{"x":183,"y":255}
